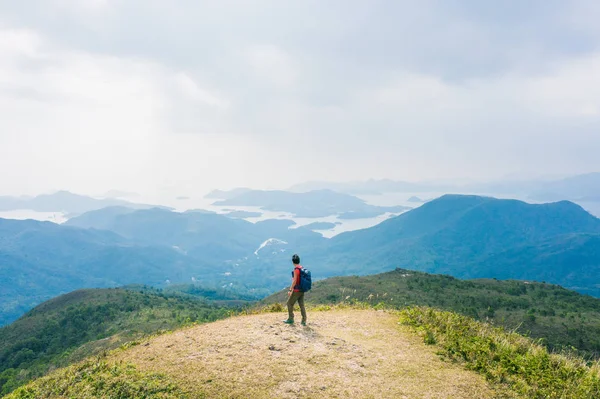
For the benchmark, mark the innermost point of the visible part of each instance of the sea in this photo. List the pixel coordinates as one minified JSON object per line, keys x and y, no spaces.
{"x":182,"y":204}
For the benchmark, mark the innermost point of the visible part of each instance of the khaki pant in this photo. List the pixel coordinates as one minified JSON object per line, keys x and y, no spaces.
{"x":296,"y":296}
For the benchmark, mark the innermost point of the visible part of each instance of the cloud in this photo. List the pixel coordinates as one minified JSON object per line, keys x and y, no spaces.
{"x":271,"y":65}
{"x":189,"y":88}
{"x":14,"y":42}
{"x":202,"y":94}
{"x":77,"y":119}
{"x":571,"y":89}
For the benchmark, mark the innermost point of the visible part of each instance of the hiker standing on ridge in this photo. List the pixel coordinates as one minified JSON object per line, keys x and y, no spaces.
{"x":297,"y":289}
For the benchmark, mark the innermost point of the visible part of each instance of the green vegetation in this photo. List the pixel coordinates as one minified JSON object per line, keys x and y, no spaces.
{"x":475,"y":237}
{"x":96,"y":378}
{"x":236,"y":294}
{"x":563,"y":319}
{"x":40,"y":260}
{"x":507,"y":359}
{"x":463,"y":236}
{"x":73,"y":326}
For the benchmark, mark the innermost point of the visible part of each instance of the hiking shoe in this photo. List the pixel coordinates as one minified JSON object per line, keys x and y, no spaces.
{"x":288,"y":321}
{"x":303,"y":323}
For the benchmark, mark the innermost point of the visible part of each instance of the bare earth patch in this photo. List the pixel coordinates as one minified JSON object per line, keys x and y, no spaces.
{"x":340,"y":354}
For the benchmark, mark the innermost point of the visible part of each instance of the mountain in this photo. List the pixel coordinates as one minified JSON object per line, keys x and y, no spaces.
{"x":561,"y":318}
{"x":463,"y":236}
{"x":212,"y":237}
{"x":385,"y":186}
{"x":100,"y":219}
{"x":243,"y":214}
{"x":368,"y":214}
{"x":117,"y":246}
{"x":40,"y":260}
{"x":73,"y":326}
{"x":312,"y":204}
{"x":64,"y":201}
{"x":572,"y":260}
{"x":229,"y":246}
{"x":416,"y":199}
{"x":512,"y":187}
{"x":372,"y":186}
{"x":471,"y":236}
{"x":199,"y":211}
{"x":577,"y":188}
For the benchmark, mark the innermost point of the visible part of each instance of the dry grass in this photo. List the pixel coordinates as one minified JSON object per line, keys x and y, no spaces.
{"x":341,"y":354}
{"x":509,"y":360}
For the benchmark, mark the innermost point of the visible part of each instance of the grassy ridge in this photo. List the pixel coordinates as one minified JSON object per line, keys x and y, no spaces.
{"x":74,"y":326}
{"x":95,"y":378}
{"x":517,"y":367}
{"x":564,"y":319}
{"x":506,"y":359}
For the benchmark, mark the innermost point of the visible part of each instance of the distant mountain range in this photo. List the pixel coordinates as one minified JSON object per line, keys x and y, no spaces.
{"x":383,"y":186}
{"x":66,"y":202}
{"x":463,"y":236}
{"x":40,"y":260}
{"x":210,"y":237}
{"x":577,"y":188}
{"x":235,"y":249}
{"x":117,"y":246}
{"x":242,"y":214}
{"x":584,"y":187}
{"x":372,"y":186}
{"x":312,"y":204}
{"x":474,"y":237}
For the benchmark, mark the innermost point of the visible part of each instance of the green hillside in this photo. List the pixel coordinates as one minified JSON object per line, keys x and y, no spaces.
{"x":476,"y":237}
{"x":344,"y":352}
{"x":40,"y":260}
{"x":562,"y":318}
{"x":73,"y":326}
{"x":205,"y":236}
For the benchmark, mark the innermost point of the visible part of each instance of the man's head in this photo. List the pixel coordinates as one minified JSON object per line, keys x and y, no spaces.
{"x":296,"y":259}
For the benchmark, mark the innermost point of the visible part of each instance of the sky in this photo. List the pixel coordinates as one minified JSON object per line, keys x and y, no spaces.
{"x":181,"y":97}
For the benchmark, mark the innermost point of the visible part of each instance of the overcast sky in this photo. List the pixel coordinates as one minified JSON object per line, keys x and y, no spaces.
{"x":186,"y":96}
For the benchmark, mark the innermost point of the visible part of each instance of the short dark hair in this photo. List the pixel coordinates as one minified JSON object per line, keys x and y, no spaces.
{"x":296,"y":259}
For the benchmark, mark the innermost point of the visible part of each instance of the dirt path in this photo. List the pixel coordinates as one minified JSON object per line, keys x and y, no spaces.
{"x":340,"y":354}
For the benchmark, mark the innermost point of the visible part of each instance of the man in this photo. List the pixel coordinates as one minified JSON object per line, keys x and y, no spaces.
{"x":294,"y":294}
